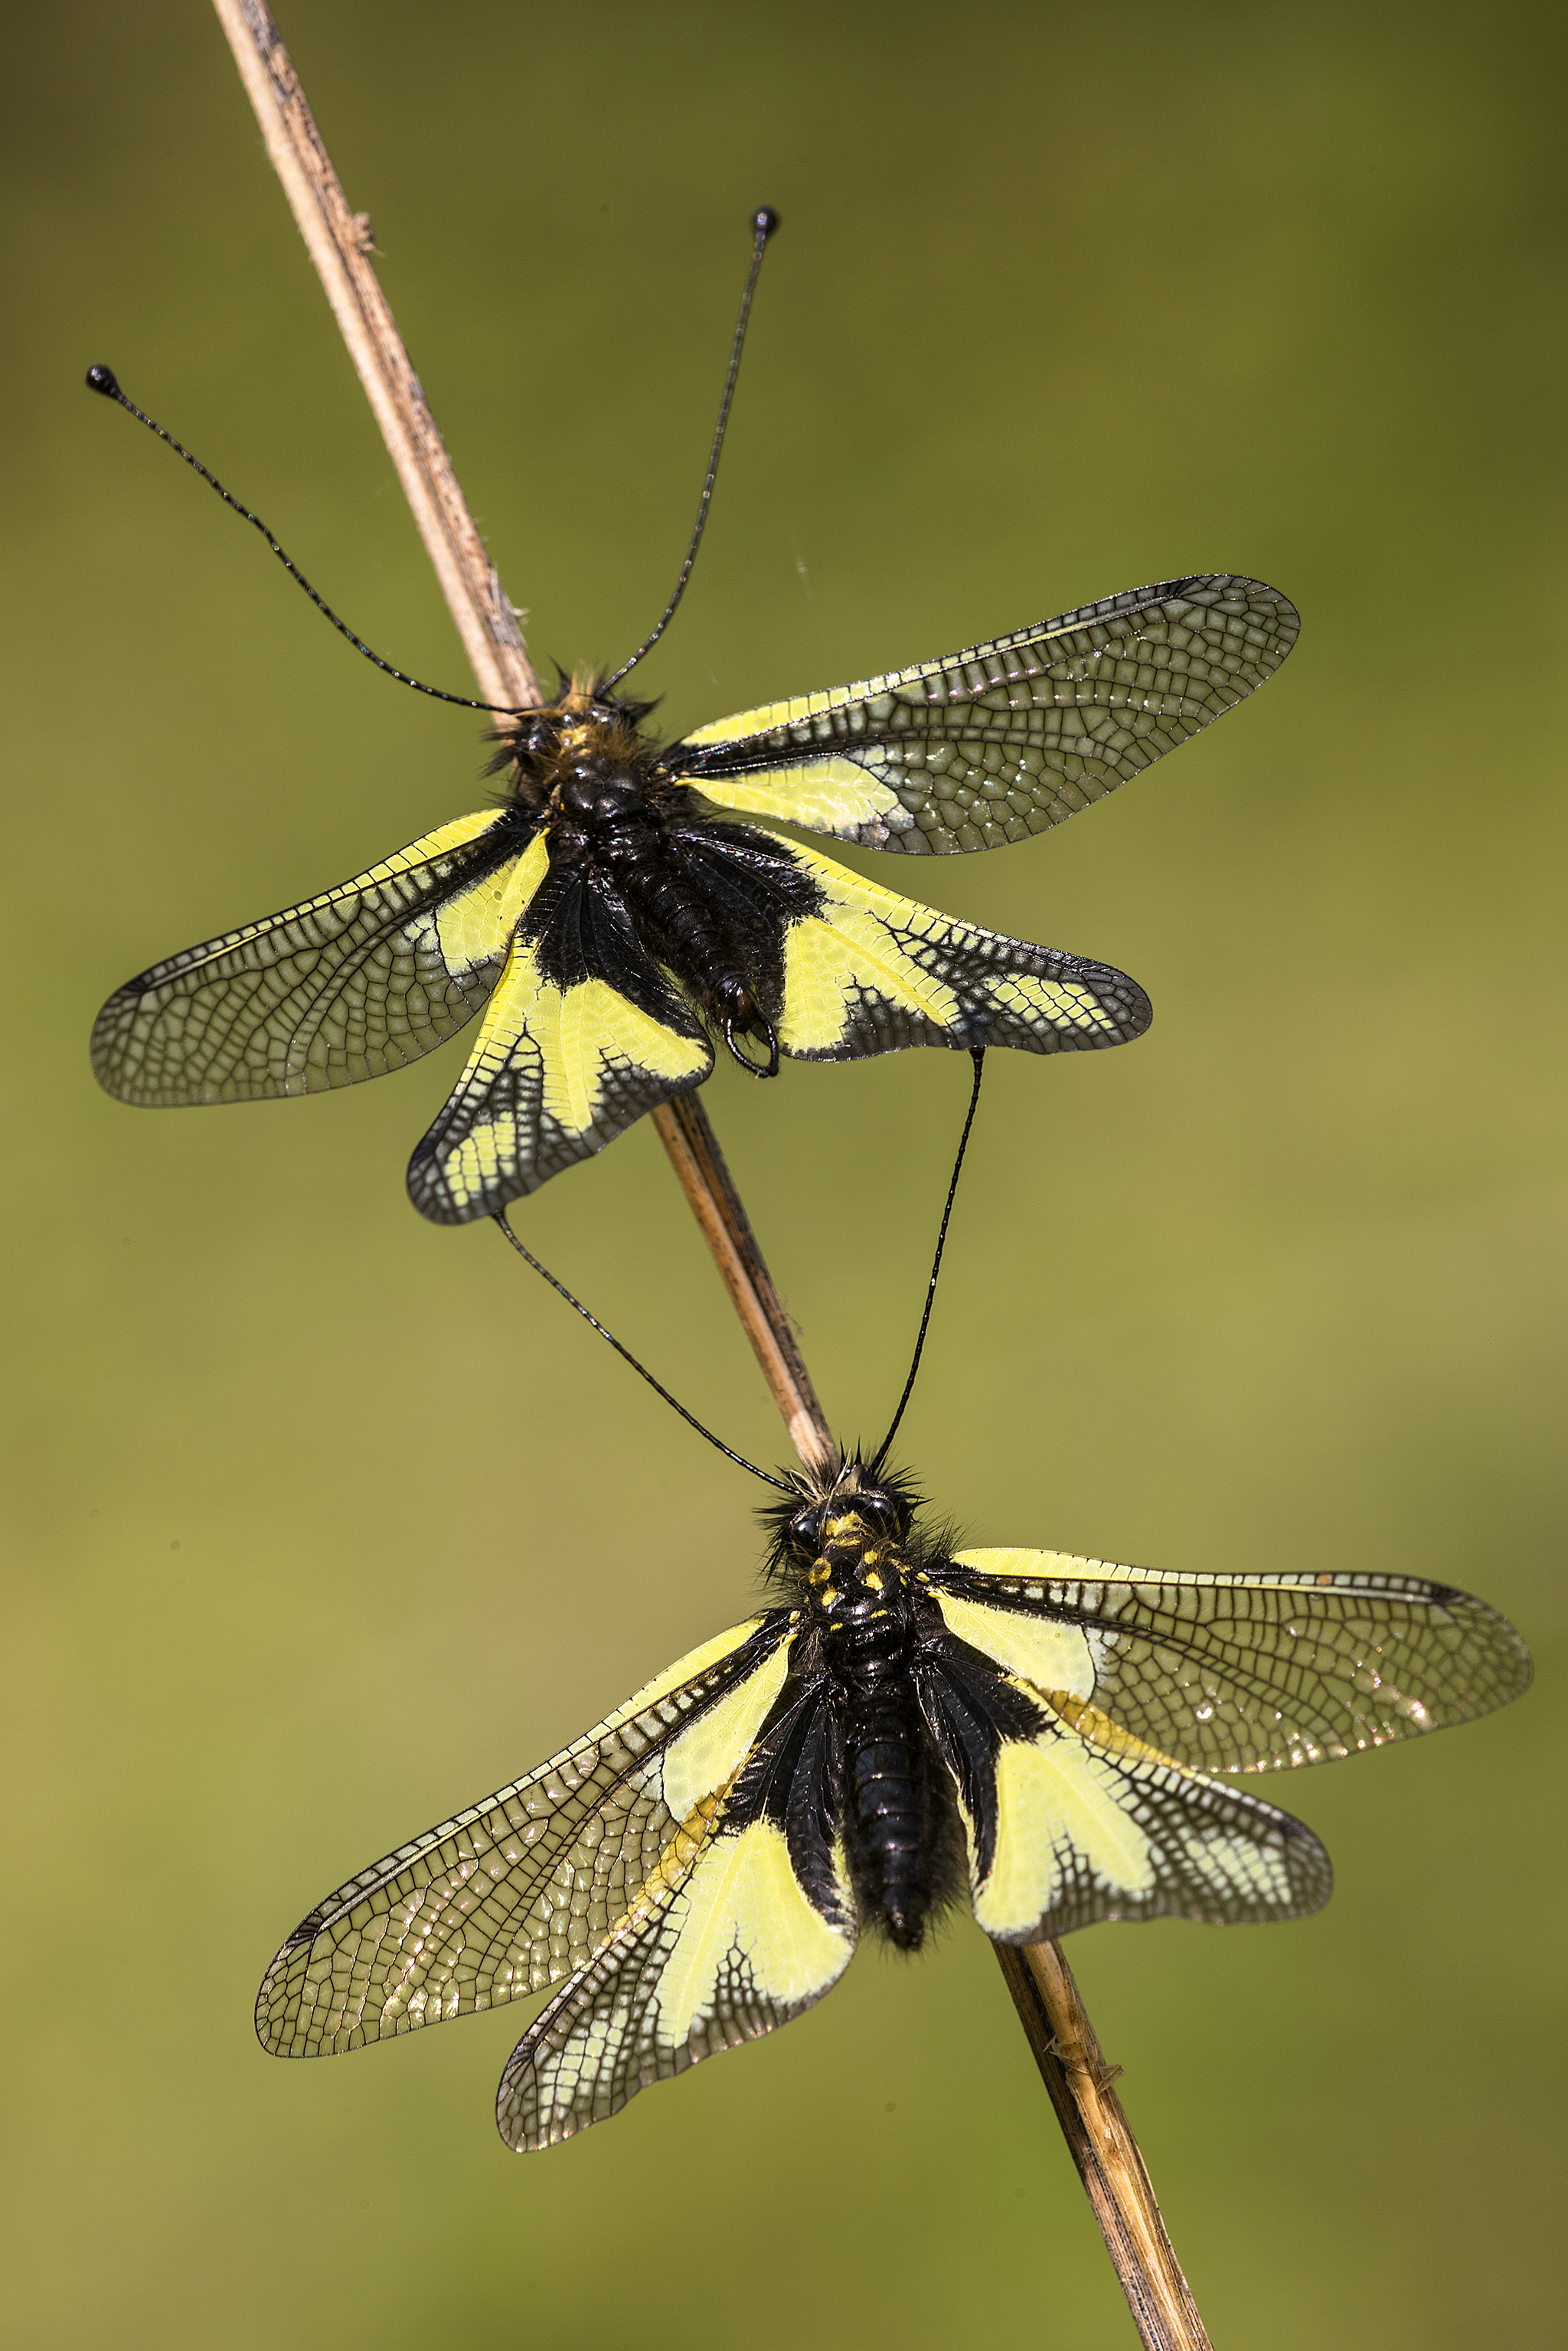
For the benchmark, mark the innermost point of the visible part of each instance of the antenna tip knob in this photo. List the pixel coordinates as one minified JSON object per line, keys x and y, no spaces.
{"x":765,"y":220}
{"x":102,"y":379}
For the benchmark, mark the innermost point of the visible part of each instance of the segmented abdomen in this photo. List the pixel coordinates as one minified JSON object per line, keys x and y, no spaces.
{"x":889,"y":1812}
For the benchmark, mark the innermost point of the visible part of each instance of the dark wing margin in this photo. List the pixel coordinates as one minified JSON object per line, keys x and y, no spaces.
{"x":348,"y":986}
{"x":1002,"y":740}
{"x":519,"y":1890}
{"x":1240,"y":1673}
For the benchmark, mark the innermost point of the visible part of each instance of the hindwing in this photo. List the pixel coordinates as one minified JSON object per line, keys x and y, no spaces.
{"x":871,"y":972}
{"x":1070,"y":1820}
{"x":986,"y":747}
{"x":751,"y":1932}
{"x":1238,"y":1673}
{"x":353,"y":983}
{"x":574,"y":1048}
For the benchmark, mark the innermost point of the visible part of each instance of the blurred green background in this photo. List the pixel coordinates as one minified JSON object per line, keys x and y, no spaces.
{"x":323,"y":1521}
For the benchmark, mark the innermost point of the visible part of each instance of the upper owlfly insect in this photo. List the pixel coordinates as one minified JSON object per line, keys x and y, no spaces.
{"x":628,"y":904}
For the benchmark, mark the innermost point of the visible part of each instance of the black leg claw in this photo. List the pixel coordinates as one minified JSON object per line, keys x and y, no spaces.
{"x":745,"y":1060}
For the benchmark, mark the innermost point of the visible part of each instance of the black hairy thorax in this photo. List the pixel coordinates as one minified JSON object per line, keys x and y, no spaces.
{"x":646,"y":885}
{"x":847,"y":1552}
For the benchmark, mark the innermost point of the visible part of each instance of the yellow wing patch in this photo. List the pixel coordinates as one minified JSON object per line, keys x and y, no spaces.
{"x":745,"y":1914}
{"x":708,"y":1755}
{"x":1060,"y":1811}
{"x":684,"y":1669}
{"x":833,"y":795}
{"x":873,"y":972}
{"x":831,"y":966}
{"x":583,"y":1032}
{"x":353,"y":983}
{"x":715,"y":1954}
{"x":1088,"y":1822}
{"x":478,"y":922}
{"x":1051,"y":1656}
{"x":555,"y":1075}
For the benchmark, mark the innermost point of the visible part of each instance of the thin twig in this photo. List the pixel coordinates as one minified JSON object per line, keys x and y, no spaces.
{"x":1054,"y":2021}
{"x":1100,"y":2138}
{"x":338,"y":243}
{"x":688,"y":1137}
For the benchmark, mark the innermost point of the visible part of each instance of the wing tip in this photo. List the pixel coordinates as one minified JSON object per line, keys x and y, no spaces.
{"x":274,"y":2023}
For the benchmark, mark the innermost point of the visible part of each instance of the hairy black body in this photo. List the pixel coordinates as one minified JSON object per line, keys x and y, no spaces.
{"x":616,"y":918}
{"x":642,"y":882}
{"x":859,"y":1749}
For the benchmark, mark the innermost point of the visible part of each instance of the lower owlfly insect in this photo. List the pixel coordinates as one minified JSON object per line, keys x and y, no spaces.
{"x":902,"y":1728}
{"x":627,"y":905}
{"x":906,"y":1725}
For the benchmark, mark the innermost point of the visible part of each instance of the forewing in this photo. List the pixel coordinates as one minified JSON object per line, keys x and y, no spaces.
{"x":517,"y":1891}
{"x":555,"y":1074}
{"x":1003,"y":740}
{"x":1070,"y":1821}
{"x":755,"y":1930}
{"x":871,"y":972}
{"x":348,"y":986}
{"x":1238,"y":1673}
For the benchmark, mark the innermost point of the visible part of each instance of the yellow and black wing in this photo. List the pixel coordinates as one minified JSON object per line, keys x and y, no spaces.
{"x":522,"y":1889}
{"x":358,"y":981}
{"x":870,"y":972}
{"x":561,"y":1067}
{"x":1070,"y":1820}
{"x":749,"y":1921}
{"x":989,"y":745}
{"x":1238,"y":1673}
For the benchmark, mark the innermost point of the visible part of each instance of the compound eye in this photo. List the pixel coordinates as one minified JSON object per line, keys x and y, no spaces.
{"x":890,"y":1511}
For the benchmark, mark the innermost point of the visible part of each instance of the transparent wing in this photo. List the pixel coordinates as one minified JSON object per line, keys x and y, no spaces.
{"x":1070,"y":1821}
{"x":733,"y":1942}
{"x":348,"y":986}
{"x":516,"y":1892}
{"x":1003,"y":740}
{"x":871,"y":972}
{"x":1238,"y":1673}
{"x":555,"y":1074}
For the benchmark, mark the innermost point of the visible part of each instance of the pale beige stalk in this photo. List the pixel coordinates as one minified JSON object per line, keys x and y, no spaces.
{"x":338,"y":243}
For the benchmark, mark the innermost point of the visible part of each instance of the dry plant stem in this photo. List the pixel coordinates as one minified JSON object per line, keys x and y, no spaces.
{"x":339,"y":245}
{"x":688,"y":1137}
{"x":1100,"y":2138}
{"x":1053,"y":2017}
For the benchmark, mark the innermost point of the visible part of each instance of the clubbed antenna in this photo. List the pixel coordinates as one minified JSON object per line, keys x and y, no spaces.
{"x":763,"y":223}
{"x":103,"y":379}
